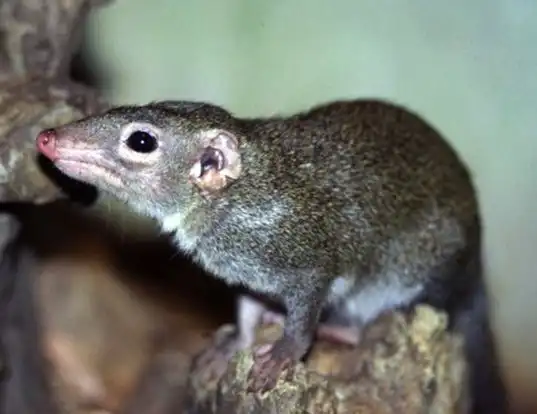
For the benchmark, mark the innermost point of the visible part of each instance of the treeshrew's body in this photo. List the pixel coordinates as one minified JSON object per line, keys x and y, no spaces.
{"x":352,"y":207}
{"x":376,"y":188}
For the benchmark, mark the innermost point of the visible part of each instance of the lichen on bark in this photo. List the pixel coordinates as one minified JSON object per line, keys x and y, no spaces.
{"x":407,"y":362}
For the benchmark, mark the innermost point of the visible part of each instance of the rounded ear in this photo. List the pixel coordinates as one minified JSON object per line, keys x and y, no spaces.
{"x":218,"y":164}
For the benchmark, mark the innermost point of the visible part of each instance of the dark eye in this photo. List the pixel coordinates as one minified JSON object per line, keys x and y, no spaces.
{"x":141,"y":141}
{"x":211,"y":159}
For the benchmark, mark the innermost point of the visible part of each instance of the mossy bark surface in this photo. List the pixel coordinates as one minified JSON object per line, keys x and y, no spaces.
{"x":406,"y":363}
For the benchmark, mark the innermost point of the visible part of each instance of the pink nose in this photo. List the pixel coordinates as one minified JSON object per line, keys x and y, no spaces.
{"x":46,"y":143}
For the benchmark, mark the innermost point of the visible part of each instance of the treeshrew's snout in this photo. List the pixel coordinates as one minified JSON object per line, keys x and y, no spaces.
{"x":46,"y":144}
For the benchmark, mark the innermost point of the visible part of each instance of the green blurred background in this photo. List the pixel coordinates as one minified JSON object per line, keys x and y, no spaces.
{"x":466,"y":66}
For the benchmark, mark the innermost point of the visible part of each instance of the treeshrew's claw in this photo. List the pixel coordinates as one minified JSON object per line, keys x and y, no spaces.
{"x":270,"y":361}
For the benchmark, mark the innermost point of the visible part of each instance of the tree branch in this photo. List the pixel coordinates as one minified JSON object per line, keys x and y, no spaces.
{"x":37,"y":43}
{"x":407,"y":363}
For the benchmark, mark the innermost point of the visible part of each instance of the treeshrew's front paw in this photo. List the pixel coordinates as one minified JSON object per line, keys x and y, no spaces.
{"x":270,"y":361}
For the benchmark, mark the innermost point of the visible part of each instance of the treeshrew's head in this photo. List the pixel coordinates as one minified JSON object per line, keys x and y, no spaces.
{"x":157,"y":157}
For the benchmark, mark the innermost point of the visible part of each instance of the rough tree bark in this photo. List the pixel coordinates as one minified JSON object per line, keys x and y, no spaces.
{"x":405,"y":364}
{"x":37,"y":43}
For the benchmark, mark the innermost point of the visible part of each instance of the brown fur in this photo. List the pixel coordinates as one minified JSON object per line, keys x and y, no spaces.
{"x":351,"y":207}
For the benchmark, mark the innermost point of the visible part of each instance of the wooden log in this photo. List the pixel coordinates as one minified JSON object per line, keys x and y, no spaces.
{"x":406,"y":363}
